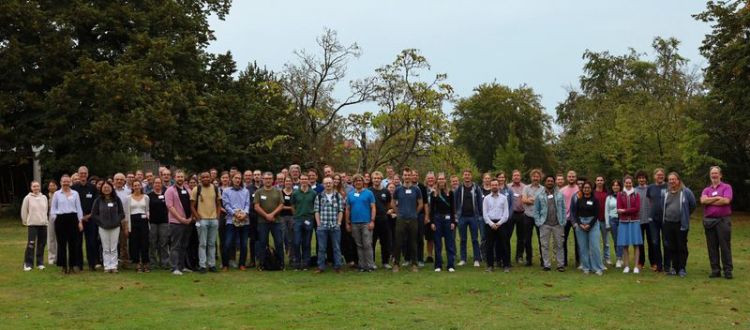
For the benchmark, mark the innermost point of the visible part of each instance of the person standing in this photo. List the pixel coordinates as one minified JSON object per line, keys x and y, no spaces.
{"x":108,"y":213}
{"x":329,"y":213}
{"x":158,"y":225}
{"x":717,"y":224}
{"x":206,"y":205}
{"x":253,"y":180}
{"x":600,"y":194}
{"x":517,"y":218}
{"x":88,"y":193}
{"x":286,"y":216}
{"x":52,"y":187}
{"x":136,"y":215}
{"x":236,"y":200}
{"x":655,"y":194}
{"x":584,"y":211}
{"x":530,"y":192}
{"x":679,"y":203}
{"x":642,"y":189}
{"x":469,"y":210}
{"x":268,"y":203}
{"x":443,"y":222}
{"x":495,"y":213}
{"x":123,"y":191}
{"x":360,"y":221}
{"x":612,"y":219}
{"x":382,"y":231}
{"x":568,"y":191}
{"x":303,"y":202}
{"x":429,"y":233}
{"x":34,"y":216}
{"x":629,"y":231}
{"x":549,"y":216}
{"x":407,"y":201}
{"x":180,"y":219}
{"x":66,"y":209}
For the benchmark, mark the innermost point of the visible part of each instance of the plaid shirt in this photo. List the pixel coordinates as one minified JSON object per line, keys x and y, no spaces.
{"x":328,"y":210}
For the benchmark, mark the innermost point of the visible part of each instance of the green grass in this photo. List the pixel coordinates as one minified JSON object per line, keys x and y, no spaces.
{"x":469,"y":298}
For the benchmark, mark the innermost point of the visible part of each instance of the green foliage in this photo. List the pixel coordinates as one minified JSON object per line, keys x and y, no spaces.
{"x":509,"y":157}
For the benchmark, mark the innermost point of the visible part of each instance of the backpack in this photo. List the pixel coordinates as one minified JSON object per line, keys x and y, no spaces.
{"x":271,"y":263}
{"x":198,"y":194}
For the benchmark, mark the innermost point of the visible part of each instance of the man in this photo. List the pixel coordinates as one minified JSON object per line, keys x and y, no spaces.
{"x":528,"y":199}
{"x":382,"y":231}
{"x":495,"y":213}
{"x":468,"y":200}
{"x":268,"y":203}
{"x":303,"y":202}
{"x":568,"y":191}
{"x":642,"y":190}
{"x":139,"y":176}
{"x":122,"y":192}
{"x":294,"y":171}
{"x":329,"y":212}
{"x":656,"y":201}
{"x":679,"y":203}
{"x":360,"y":221}
{"x":560,"y":181}
{"x":454,"y":182}
{"x":87,"y":193}
{"x":600,"y":194}
{"x":429,"y":233}
{"x":279,"y":184}
{"x":407,"y":201}
{"x":214,"y":174}
{"x":180,"y":220}
{"x":206,"y":205}
{"x":389,"y":173}
{"x":249,"y":179}
{"x":148,"y":183}
{"x":422,"y":219}
{"x":517,"y":218}
{"x":328,"y":171}
{"x":717,"y":200}
{"x":257,"y":179}
{"x":312,"y":177}
{"x":549,"y":216}
{"x":166,"y":177}
{"x":129,"y":177}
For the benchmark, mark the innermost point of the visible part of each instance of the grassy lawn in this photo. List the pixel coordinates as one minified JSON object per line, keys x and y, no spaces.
{"x":469,"y":298}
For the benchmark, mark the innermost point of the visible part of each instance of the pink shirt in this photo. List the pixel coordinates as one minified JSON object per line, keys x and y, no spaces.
{"x":172,"y":197}
{"x":568,"y":193}
{"x":718,"y":211}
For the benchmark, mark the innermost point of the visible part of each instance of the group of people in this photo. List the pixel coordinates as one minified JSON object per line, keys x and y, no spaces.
{"x":176,"y":222}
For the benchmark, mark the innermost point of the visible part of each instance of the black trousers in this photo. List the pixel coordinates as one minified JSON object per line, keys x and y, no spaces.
{"x":191,"y":254}
{"x":37,"y":239}
{"x":719,"y":242}
{"x":348,"y":246}
{"x":646,"y":234}
{"x":138,"y":239}
{"x":68,"y":245}
{"x":568,"y":226}
{"x":93,"y":244}
{"x":677,"y":246}
{"x":498,"y":245}
{"x":521,"y":236}
{"x":382,"y":233}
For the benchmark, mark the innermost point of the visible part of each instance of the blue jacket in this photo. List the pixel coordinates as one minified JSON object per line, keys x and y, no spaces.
{"x":477,"y":198}
{"x":508,"y":193}
{"x":540,"y":207}
{"x":687,"y":206}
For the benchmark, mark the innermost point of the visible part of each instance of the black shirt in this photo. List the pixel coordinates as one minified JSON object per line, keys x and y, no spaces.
{"x":586,"y":207}
{"x":157,"y":207}
{"x":87,"y":193}
{"x":287,"y":202}
{"x":467,"y":206}
{"x":382,"y":201}
{"x":442,"y":205}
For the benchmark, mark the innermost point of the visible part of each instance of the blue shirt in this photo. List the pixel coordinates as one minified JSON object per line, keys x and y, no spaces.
{"x":235,"y":199}
{"x":360,"y":205}
{"x":407,"y":201}
{"x":62,"y":204}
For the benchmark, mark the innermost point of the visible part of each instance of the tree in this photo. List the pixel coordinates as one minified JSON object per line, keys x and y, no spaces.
{"x":726,"y":118}
{"x":484,"y":120}
{"x":509,"y":157}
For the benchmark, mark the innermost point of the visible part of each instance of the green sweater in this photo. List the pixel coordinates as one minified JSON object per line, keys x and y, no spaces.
{"x":303,"y":204}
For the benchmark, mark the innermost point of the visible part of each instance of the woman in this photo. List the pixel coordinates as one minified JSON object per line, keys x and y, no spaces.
{"x":66,"y":209}
{"x":443,"y":222}
{"x":193,"y":182}
{"x":486,"y":179}
{"x":52,"y":187}
{"x":108,"y":213}
{"x":348,"y":247}
{"x":35,"y":217}
{"x":392,"y":217}
{"x":396,"y":180}
{"x":224,"y":184}
{"x":158,"y":218}
{"x":285,"y":216}
{"x":236,"y":201}
{"x":611,"y":219}
{"x":629,"y":233}
{"x":136,"y":214}
{"x":584,"y":209}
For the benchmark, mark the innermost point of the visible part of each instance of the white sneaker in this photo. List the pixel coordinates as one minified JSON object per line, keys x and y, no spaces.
{"x":41,"y":267}
{"x":451,"y":270}
{"x":586,"y":272}
{"x":26,"y":268}
{"x":605,"y":267}
{"x":599,"y":272}
{"x":626,"y":270}
{"x":580,"y":267}
{"x":609,"y":261}
{"x":437,"y":270}
{"x":186,"y":270}
{"x":618,"y":264}
{"x":636,"y":270}
{"x":374,"y":267}
{"x":476,"y":263}
{"x":387,"y":266}
{"x":176,"y":272}
{"x":461,"y":263}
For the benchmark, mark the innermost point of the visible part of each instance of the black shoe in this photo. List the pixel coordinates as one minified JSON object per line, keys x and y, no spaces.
{"x":430,"y":260}
{"x":546,"y":269}
{"x":202,"y":270}
{"x":213,"y":269}
{"x":728,"y":275}
{"x":561,"y":269}
{"x":528,"y":264}
{"x":715,"y":275}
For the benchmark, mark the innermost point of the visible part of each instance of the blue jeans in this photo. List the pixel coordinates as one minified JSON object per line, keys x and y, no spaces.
{"x":588,"y":247}
{"x":662,"y":261}
{"x":334,"y":236}
{"x":605,"y":239}
{"x":232,"y":233}
{"x":207,"y":242}
{"x":443,"y":231}
{"x":264,"y":227}
{"x":301,"y":244}
{"x":613,"y":224}
{"x":473,"y":224}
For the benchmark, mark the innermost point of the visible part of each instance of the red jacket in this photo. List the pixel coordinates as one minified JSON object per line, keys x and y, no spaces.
{"x":631,"y":213}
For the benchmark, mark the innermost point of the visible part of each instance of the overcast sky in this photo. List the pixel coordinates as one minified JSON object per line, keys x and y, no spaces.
{"x":533,"y":42}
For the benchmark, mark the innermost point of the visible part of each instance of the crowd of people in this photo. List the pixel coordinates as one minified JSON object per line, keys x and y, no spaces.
{"x":177,"y":222}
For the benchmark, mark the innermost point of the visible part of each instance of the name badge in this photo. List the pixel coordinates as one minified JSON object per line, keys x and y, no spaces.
{"x":295,"y":187}
{"x":286,"y":198}
{"x":253,"y":196}
{"x":89,"y":195}
{"x":714,"y":193}
{"x":589,"y":202}
{"x":263,"y":197}
{"x":383,"y":195}
{"x":161,"y":196}
{"x":516,"y":195}
{"x":550,"y":196}
{"x":356,"y":194}
{"x":408,"y":191}
{"x":307,"y":222}
{"x":447,"y":217}
{"x":143,"y":216}
{"x":184,"y":192}
{"x":111,"y":204}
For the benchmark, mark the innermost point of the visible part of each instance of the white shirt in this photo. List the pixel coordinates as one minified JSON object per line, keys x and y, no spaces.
{"x":495,"y":207}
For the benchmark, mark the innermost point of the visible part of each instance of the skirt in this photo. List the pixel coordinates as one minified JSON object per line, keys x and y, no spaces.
{"x":629,"y":233}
